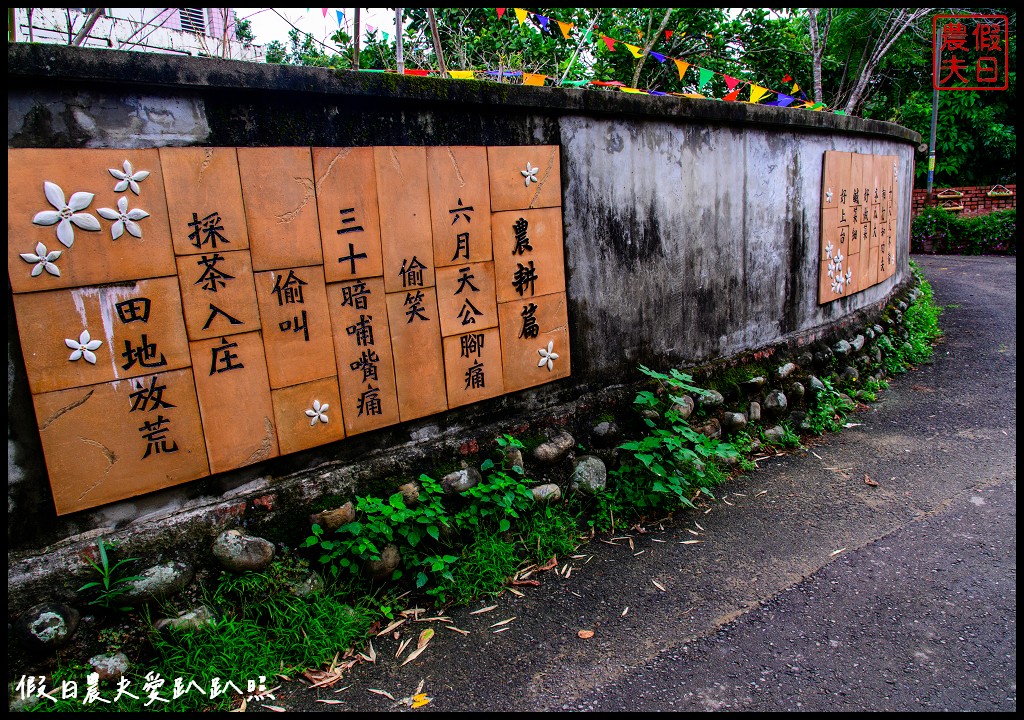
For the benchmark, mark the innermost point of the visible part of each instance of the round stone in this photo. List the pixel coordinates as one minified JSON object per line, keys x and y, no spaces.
{"x":461,"y":480}
{"x":47,"y":626}
{"x":545,"y":494}
{"x":239,"y":552}
{"x":158,"y":582}
{"x":554,"y":449}
{"x":589,"y":475}
{"x":331,"y":520}
{"x":383,"y":569}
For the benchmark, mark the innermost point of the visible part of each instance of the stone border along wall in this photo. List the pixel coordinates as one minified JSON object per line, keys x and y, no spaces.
{"x":701,"y":217}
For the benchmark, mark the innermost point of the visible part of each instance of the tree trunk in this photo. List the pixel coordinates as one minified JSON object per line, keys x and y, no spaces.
{"x":89,"y":22}
{"x":437,"y":43}
{"x":647,"y":47}
{"x":355,"y":44}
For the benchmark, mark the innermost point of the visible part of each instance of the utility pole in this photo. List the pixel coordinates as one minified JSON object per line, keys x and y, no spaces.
{"x":437,"y":43}
{"x":937,"y":67}
{"x":399,"y":59}
{"x":355,"y":44}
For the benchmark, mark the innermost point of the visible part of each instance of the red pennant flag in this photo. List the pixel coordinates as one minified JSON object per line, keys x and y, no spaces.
{"x":787,"y":79}
{"x":730,"y":82}
{"x":420,"y":73}
{"x":731,"y":97}
{"x":668,"y":34}
{"x":500,"y":11}
{"x":610,"y":42}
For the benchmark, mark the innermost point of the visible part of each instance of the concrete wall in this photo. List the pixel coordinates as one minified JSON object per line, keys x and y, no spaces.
{"x":691,"y":227}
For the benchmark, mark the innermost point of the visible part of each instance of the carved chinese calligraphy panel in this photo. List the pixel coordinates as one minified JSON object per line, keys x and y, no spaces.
{"x":857,"y":210}
{"x":187,"y":311}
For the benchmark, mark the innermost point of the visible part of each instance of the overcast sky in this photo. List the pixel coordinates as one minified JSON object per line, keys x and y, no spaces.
{"x":273,"y":23}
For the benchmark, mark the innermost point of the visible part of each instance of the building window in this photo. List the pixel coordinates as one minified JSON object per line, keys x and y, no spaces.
{"x":192,"y":20}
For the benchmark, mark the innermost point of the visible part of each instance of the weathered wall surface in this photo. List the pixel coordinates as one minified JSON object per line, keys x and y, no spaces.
{"x":691,"y":229}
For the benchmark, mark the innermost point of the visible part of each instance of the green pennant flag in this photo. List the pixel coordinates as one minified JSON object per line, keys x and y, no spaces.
{"x":575,"y":83}
{"x":705,"y":76}
{"x":840,"y":112}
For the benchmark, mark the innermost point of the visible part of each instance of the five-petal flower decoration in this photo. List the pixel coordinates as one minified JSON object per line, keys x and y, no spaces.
{"x":83,"y":347}
{"x":318,"y":413}
{"x":44,"y":260}
{"x":125,"y":219}
{"x":548,"y":357}
{"x":828,"y":195}
{"x":130,"y":178}
{"x":530,"y":173}
{"x":828,"y":250}
{"x":67,"y":213}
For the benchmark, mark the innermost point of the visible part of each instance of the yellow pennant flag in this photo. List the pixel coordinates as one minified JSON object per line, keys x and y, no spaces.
{"x":757,"y":92}
{"x":533,"y":78}
{"x":565,"y":28}
{"x":462,"y":74}
{"x":682,"y":65}
{"x":634,"y":49}
{"x":631,"y":90}
{"x":520,"y":15}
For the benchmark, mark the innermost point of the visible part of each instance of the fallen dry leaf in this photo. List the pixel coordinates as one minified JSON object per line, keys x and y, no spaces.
{"x":275,"y":708}
{"x":424,"y":638}
{"x":516,"y":592}
{"x":504,"y":622}
{"x":490,"y":607}
{"x":385,"y":693}
{"x":691,"y":542}
{"x":631,"y":544}
{"x":836,"y":552}
{"x":585,"y":634}
{"x":869,"y":481}
{"x":531,"y":583}
{"x":552,"y":563}
{"x":625,"y":611}
{"x":502,"y":630}
{"x":240,"y":708}
{"x":693,"y":532}
{"x":658,"y":585}
{"x":458,"y":630}
{"x":414,"y":654}
{"x":331,"y":702}
{"x":403,"y":646}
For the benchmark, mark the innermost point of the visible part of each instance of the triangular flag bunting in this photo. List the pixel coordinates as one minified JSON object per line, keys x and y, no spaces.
{"x":418,"y":73}
{"x":340,"y":16}
{"x":606,"y":83}
{"x":658,"y":56}
{"x":695,"y":96}
{"x":705,"y":76}
{"x":730,"y":81}
{"x":565,"y":28}
{"x":785,"y":100}
{"x":575,"y":83}
{"x":796,"y":89}
{"x":787,"y":79}
{"x":500,"y":11}
{"x":635,"y":49}
{"x":533,"y":78}
{"x":543,"y":22}
{"x":668,"y":34}
{"x":682,"y":65}
{"x":629,"y":89}
{"x":610,"y":42}
{"x":757,"y":92}
{"x":325,"y":11}
{"x":656,"y":92}
{"x":520,"y":15}
{"x":731,"y":97}
{"x":385,"y":35}
{"x":840,"y":112}
{"x":461,"y":74}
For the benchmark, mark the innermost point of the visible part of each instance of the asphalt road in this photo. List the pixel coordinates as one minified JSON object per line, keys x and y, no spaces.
{"x":809,"y":589}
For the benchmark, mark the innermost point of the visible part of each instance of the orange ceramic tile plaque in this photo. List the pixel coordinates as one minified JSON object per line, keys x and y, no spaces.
{"x":405,"y":237}
{"x":234,"y":398}
{"x":88,"y":335}
{"x":362,"y":348}
{"x":416,"y":344}
{"x":346,"y":196}
{"x":857,"y":206}
{"x":465,"y":298}
{"x":204,"y":200}
{"x":460,"y":205}
{"x":188,"y":311}
{"x":472,"y":365}
{"x":524,"y":177}
{"x":280,"y":207}
{"x":296,"y":325}
{"x":115,"y":440}
{"x":528,"y":253}
{"x":534,"y":341}
{"x":308,"y":415}
{"x":85,"y":217}
{"x":217,"y":294}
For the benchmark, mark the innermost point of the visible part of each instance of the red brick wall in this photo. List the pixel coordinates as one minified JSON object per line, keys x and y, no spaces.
{"x":975,"y":199}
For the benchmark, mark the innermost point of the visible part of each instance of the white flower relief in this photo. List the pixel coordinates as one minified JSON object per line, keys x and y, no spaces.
{"x":83,"y":347}
{"x":530,"y":173}
{"x":67,"y":213}
{"x":130,"y":178}
{"x":828,"y":250}
{"x":44,"y":260}
{"x":839,"y":258}
{"x":547,"y":357}
{"x":849,"y":277}
{"x":828,"y":195}
{"x":837,"y":286}
{"x":318,"y":413}
{"x":125,"y":219}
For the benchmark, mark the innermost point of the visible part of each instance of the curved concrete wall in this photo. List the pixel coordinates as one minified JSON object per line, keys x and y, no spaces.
{"x":691,"y":227}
